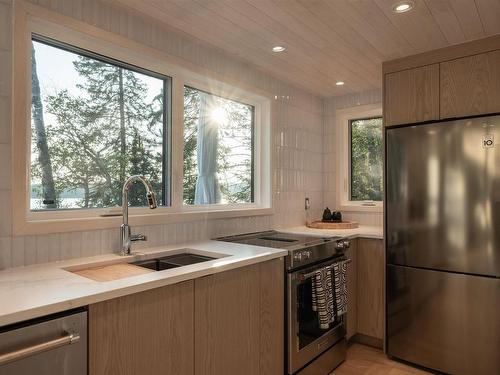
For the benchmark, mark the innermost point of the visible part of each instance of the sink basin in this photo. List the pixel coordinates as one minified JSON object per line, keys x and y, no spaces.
{"x":118,"y":270}
{"x":172,"y":261}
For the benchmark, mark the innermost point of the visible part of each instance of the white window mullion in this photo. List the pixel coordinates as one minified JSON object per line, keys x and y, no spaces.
{"x":177,"y":145}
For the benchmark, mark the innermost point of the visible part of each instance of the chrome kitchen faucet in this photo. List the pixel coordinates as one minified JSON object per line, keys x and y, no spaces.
{"x":126,"y":238}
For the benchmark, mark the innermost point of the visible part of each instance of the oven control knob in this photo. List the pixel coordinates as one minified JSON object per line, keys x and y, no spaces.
{"x":308,"y":254}
{"x":298,"y":256}
{"x":342,"y":245}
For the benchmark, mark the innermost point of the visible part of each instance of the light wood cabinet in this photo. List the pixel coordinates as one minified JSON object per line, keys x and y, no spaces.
{"x":144,"y":333}
{"x":412,"y":95}
{"x":352,"y":324}
{"x":370,"y":287}
{"x":232,"y":320}
{"x":239,"y":321}
{"x":470,"y":85}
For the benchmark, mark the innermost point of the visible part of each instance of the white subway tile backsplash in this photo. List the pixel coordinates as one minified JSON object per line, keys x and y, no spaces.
{"x":72,"y":245}
{"x":5,"y":26}
{"x":5,"y":252}
{"x":303,"y":148}
{"x":365,"y":218}
{"x":30,"y":253}
{"x":5,"y":119}
{"x":17,"y":252}
{"x":5,"y":213}
{"x":5,"y":72}
{"x":42,"y":246}
{"x":92,"y":243}
{"x":110,"y":240}
{"x":54,"y":244}
{"x":5,"y":166}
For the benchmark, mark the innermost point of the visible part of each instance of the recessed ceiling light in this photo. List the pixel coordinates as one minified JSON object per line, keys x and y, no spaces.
{"x":402,"y":6}
{"x":340,"y":83}
{"x":278,"y":49}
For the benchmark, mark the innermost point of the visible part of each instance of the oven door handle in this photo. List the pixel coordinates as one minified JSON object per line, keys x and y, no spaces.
{"x":305,"y":276}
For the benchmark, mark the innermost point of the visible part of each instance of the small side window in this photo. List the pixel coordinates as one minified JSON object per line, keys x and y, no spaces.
{"x":366,"y":159}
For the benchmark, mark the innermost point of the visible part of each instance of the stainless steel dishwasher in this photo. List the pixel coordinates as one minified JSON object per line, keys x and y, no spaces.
{"x":52,"y":346}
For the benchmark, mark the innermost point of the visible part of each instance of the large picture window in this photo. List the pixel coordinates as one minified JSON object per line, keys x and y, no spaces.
{"x":91,"y":111}
{"x":218,"y":149}
{"x":94,"y":122}
{"x":366,"y":159}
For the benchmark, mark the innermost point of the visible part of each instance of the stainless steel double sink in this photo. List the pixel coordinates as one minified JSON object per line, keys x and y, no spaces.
{"x":172,"y":261}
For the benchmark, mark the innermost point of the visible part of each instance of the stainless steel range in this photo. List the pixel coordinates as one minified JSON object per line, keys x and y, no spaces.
{"x":309,"y":348}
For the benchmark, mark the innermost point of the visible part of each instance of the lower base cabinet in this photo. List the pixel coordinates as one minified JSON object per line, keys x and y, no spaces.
{"x":227,"y":323}
{"x":239,"y":321}
{"x":365,"y":287}
{"x":149,"y":332}
{"x":370,"y":288}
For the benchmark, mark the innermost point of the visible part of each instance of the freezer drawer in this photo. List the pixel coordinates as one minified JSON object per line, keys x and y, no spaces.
{"x":54,"y":347}
{"x":445,"y":321}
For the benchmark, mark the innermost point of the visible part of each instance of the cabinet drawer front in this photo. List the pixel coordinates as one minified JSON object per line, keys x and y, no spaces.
{"x":444,"y":321}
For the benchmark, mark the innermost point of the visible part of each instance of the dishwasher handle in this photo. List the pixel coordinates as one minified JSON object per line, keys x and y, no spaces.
{"x":16,"y":355}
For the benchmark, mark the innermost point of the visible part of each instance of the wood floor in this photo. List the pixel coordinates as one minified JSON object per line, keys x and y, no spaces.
{"x":365,"y":360}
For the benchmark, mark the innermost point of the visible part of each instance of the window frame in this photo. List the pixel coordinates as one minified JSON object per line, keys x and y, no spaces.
{"x":350,"y":155}
{"x":260,"y":140}
{"x":31,"y":19}
{"x":245,"y":100}
{"x":343,"y":125}
{"x":166,"y":120}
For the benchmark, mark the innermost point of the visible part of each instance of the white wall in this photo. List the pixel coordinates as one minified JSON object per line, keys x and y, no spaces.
{"x":330,"y":153}
{"x":297,"y":147}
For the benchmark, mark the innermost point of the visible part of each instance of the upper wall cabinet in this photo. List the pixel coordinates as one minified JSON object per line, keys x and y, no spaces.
{"x":412,"y":95}
{"x":470,"y":85}
{"x":455,"y":81}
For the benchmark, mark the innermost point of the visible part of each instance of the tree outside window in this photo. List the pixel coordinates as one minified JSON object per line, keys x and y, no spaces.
{"x":366,"y":159}
{"x":94,"y":123}
{"x":221,"y":129}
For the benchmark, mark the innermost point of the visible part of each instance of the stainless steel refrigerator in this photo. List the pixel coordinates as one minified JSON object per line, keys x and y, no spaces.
{"x":443,"y":245}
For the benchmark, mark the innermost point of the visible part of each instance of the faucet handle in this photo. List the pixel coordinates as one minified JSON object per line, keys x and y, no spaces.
{"x":138,"y":237}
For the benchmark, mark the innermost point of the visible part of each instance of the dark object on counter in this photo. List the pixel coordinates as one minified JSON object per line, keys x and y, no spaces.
{"x":337,"y":216}
{"x":331,"y":217}
{"x":327,"y":214}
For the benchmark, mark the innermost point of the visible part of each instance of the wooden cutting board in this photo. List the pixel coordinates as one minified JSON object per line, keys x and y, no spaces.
{"x":112,"y":272}
{"x":327,"y":225}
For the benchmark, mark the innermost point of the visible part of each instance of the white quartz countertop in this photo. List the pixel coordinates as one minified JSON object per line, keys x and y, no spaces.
{"x":364,"y":231}
{"x":34,"y":291}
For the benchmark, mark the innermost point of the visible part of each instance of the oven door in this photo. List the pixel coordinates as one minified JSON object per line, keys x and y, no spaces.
{"x":306,"y":340}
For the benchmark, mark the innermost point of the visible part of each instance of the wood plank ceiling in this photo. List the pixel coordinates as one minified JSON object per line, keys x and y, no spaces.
{"x":326,"y":40}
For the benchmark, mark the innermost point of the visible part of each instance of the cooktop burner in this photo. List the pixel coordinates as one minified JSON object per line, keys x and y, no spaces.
{"x":275,"y":239}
